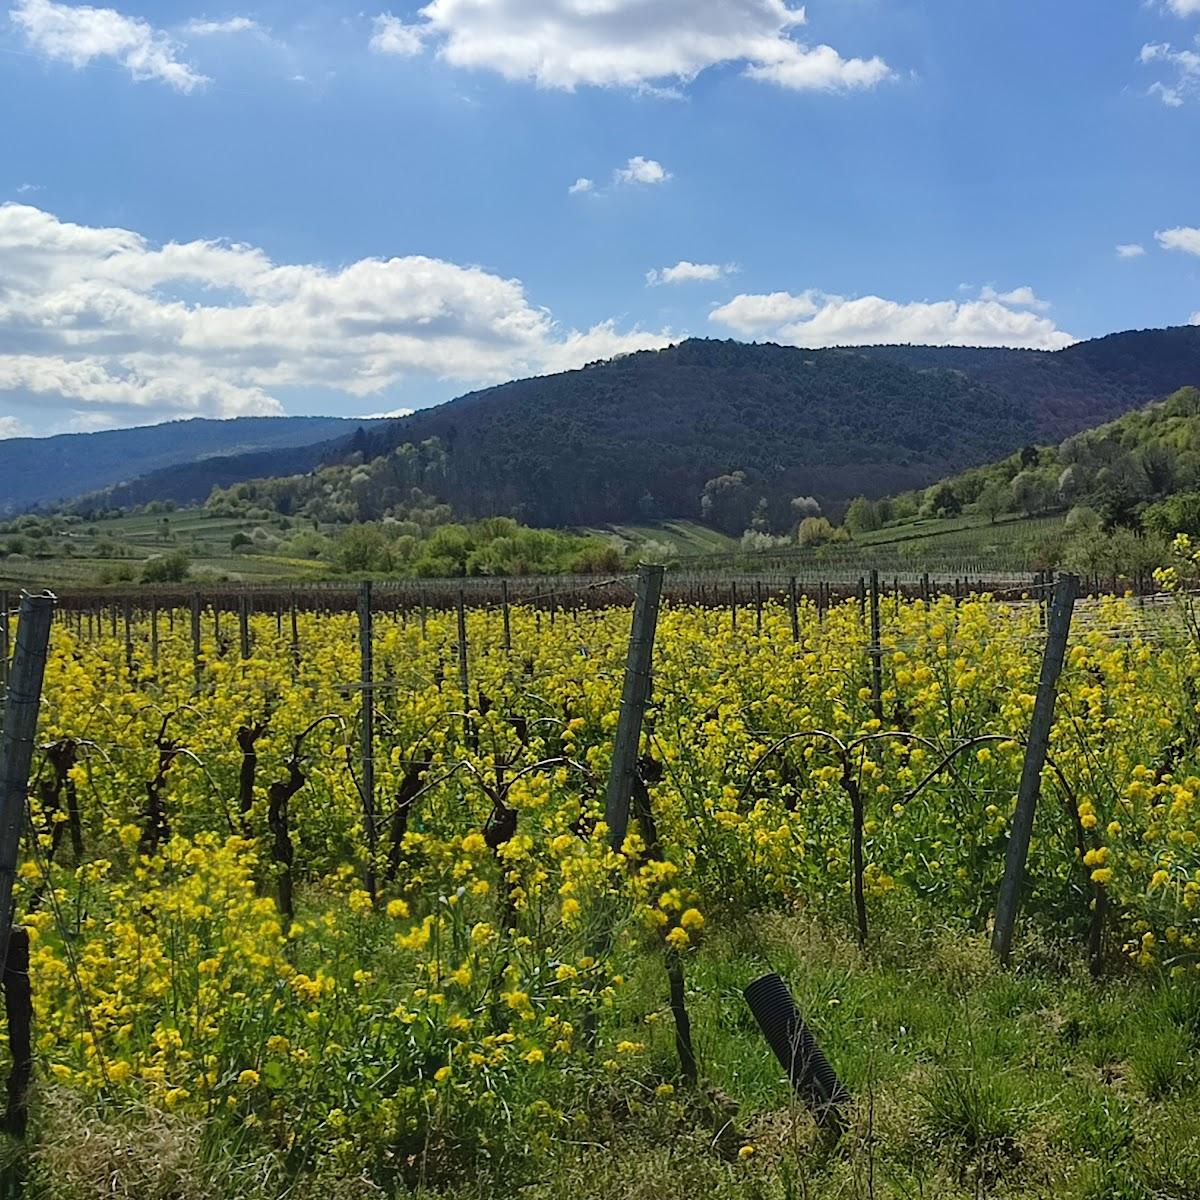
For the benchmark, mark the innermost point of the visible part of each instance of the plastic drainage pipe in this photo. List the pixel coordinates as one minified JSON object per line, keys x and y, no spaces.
{"x":794,"y":1045}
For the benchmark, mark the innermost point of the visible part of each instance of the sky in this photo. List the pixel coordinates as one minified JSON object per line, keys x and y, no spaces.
{"x":301,"y":206}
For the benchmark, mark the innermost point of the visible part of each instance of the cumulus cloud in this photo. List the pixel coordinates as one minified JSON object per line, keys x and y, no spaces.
{"x":751,"y":314}
{"x":80,"y":34}
{"x":100,"y":318}
{"x":10,"y":427}
{"x":581,"y":185}
{"x":1021,"y":297}
{"x":815,"y":319}
{"x":1185,"y":71}
{"x":689,"y":272}
{"x":641,"y":170}
{"x":199,"y":27}
{"x":1183,"y":237}
{"x":393,"y":414}
{"x":1184,"y":8}
{"x":637,"y":43}
{"x":393,"y":36}
{"x":1130,"y":250}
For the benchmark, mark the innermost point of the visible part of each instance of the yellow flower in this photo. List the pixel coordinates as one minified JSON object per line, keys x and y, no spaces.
{"x":442,"y":1074}
{"x":692,"y":919}
{"x":248,"y":1079}
{"x":535,"y":1056}
{"x":678,"y":939}
{"x":397,"y":909}
{"x":746,"y":1152}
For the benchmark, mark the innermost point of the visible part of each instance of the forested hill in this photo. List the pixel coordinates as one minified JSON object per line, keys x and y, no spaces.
{"x":44,"y":470}
{"x":644,"y":433}
{"x":1072,"y":389}
{"x":641,"y":435}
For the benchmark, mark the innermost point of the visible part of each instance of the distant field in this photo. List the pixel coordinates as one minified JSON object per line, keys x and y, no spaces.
{"x":113,"y":548}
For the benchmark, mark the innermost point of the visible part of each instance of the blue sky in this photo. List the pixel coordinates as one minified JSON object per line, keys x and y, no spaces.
{"x":214,"y":209}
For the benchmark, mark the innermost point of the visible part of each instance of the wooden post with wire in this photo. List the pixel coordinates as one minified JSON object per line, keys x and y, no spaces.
{"x":197,"y":666}
{"x":18,"y":1009}
{"x":464,"y":677}
{"x":634,"y":697}
{"x":154,"y":633}
{"x":244,"y":626}
{"x":876,"y":652}
{"x":5,"y":647}
{"x":16,"y":752}
{"x":1009,"y":901}
{"x":507,"y":617}
{"x":792,"y":611}
{"x":367,"y":684}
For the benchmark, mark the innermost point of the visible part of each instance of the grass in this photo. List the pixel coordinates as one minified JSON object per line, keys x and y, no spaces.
{"x":968,"y":1081}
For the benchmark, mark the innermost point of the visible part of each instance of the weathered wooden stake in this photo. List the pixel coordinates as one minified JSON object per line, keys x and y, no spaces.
{"x":507,"y":621}
{"x":1009,"y":900}
{"x":367,"y":678}
{"x":18,"y":1008}
{"x":876,"y":652}
{"x":792,"y":611}
{"x":634,"y":697}
{"x":16,"y":752}
{"x":244,"y":627}
{"x":196,"y":664}
{"x":154,"y":634}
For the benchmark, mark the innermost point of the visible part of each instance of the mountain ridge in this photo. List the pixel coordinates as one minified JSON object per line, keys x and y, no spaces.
{"x":641,"y":435}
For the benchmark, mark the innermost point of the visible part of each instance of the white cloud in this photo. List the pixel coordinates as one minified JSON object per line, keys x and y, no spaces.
{"x":393,"y":36}
{"x":1184,"y":8}
{"x":819,"y":68}
{"x":80,"y":34}
{"x":10,"y":427}
{"x":815,"y":319}
{"x":391,"y":415}
{"x":641,"y":170}
{"x":1186,"y":64}
{"x":1021,"y":297}
{"x":199,"y":27}
{"x":689,"y":272}
{"x":637,"y":43}
{"x":1182,"y":238}
{"x":102,"y":319}
{"x":580,"y":186}
{"x":1130,"y":250}
{"x":1195,"y":319}
{"x":750,"y":314}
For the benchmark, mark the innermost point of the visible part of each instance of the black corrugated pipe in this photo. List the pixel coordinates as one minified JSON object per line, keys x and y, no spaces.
{"x":796,"y":1048}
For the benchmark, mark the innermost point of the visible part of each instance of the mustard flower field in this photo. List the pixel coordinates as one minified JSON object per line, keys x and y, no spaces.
{"x":253,"y":977}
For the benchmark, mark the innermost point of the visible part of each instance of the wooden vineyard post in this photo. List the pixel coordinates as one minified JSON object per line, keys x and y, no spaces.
{"x":1009,"y":900}
{"x":196,"y":637}
{"x":127,"y":617}
{"x":876,"y":652}
{"x":154,"y":634}
{"x":634,"y":696}
{"x":758,"y":606}
{"x":295,"y":633}
{"x":18,"y":1009}
{"x":925,"y":593}
{"x":733,"y":605}
{"x":366,"y":681}
{"x":244,"y":627}
{"x":792,"y":612}
{"x":16,"y":753}
{"x":5,"y":648}
{"x":464,"y":678}
{"x":507,"y":616}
